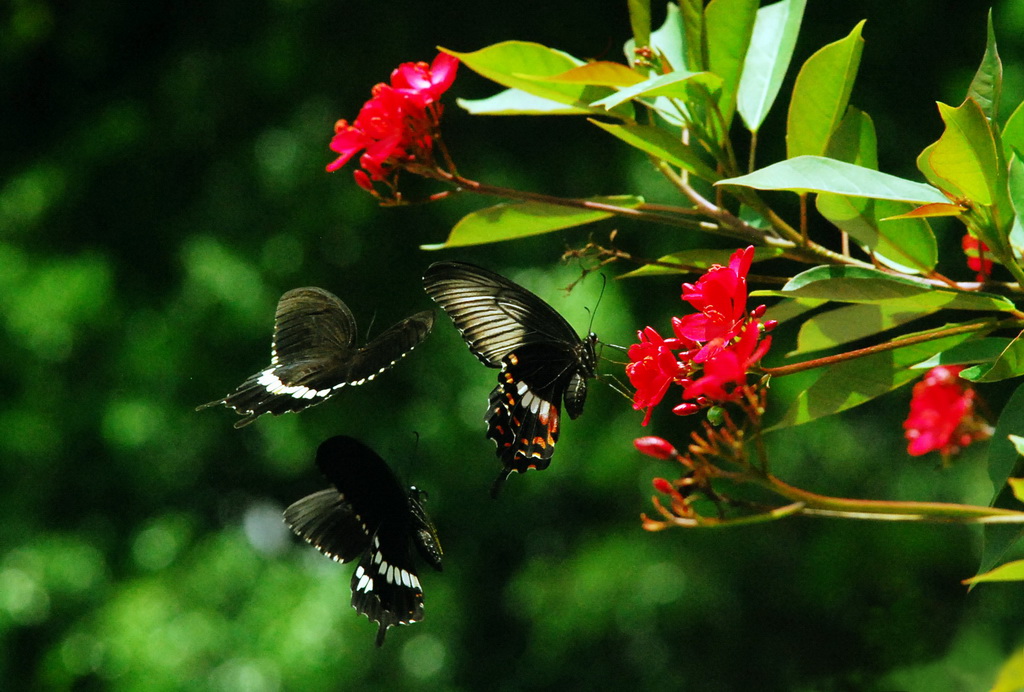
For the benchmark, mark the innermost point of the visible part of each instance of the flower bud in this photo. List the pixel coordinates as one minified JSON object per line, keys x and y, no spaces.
{"x":656,"y":447}
{"x":686,"y":409}
{"x":663,"y":486}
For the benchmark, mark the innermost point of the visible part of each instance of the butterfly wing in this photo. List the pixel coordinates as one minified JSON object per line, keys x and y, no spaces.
{"x":388,"y":348}
{"x":542,"y":359}
{"x":494,"y":315}
{"x":524,"y":412}
{"x":370,"y":516}
{"x":328,"y":522}
{"x":314,"y":355}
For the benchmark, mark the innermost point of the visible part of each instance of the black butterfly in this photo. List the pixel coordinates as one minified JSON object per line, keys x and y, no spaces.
{"x":314,"y":354}
{"x":369,"y":515}
{"x":542,"y":359}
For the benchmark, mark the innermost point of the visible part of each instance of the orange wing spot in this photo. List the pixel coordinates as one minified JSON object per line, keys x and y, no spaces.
{"x":513,"y":359}
{"x":509,"y":379}
{"x":511,"y":399}
{"x":541,"y":442}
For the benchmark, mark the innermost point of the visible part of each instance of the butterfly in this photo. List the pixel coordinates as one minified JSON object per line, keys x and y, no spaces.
{"x":542,"y":359}
{"x":314,"y":354}
{"x":367,"y":514}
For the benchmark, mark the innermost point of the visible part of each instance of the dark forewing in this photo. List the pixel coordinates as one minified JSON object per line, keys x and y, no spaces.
{"x":387,"y":348}
{"x":494,"y":315}
{"x":373,"y":517}
{"x":311,"y":323}
{"x":314,"y":354}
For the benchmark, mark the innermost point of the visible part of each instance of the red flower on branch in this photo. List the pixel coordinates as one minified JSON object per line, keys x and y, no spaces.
{"x":652,"y":368}
{"x":398,"y":125}
{"x":720,"y":296}
{"x":725,"y":371}
{"x":942,"y":416}
{"x":713,"y":349}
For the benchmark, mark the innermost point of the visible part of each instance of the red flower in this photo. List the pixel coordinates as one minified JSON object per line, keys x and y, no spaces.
{"x":651,"y":370}
{"x":942,"y":413}
{"x":711,"y":351}
{"x":397,"y":126}
{"x":725,"y":371}
{"x":977,"y":261}
{"x":425,"y":84}
{"x":721,"y":297}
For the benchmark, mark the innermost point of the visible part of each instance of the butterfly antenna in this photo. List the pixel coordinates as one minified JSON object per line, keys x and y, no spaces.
{"x":593,"y":313}
{"x":614,"y":383}
{"x":369,"y":327}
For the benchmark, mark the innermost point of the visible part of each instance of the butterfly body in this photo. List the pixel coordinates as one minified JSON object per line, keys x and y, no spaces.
{"x":368,"y":515}
{"x":314,"y":354}
{"x":543,"y":361}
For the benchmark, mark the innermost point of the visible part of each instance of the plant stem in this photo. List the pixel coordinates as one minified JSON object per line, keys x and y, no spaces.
{"x":886,"y":510}
{"x":881,"y":348}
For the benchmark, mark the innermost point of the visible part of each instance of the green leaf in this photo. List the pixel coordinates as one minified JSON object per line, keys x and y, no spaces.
{"x":1010,"y":363}
{"x":987,"y":84}
{"x":984,"y":350}
{"x":819,"y":174}
{"x":1017,"y":484}
{"x":516,"y":64}
{"x":640,"y":21}
{"x":1002,"y":461}
{"x":854,"y":382}
{"x":1011,"y":675}
{"x":907,"y":245}
{"x":518,"y":102}
{"x":693,"y":31}
{"x":854,"y":140}
{"x":771,"y":49}
{"x":965,"y":158}
{"x":662,"y":145}
{"x":692,"y":261}
{"x":821,"y":94}
{"x":669,"y":40}
{"x":673,"y":85}
{"x":1015,"y":184}
{"x":1002,"y":455}
{"x":521,"y":219}
{"x":786,"y":310}
{"x":852,"y":322}
{"x":729,"y":25}
{"x":596,"y":73}
{"x":862,"y":285}
{"x":1011,"y":571}
{"x":1013,"y":131}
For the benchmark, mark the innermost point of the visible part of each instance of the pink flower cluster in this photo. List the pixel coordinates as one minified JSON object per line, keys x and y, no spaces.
{"x":397,"y":125}
{"x":710,"y":351}
{"x":942,"y":416}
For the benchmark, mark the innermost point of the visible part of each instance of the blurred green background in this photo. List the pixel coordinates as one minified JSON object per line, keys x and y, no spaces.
{"x":162,"y":183}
